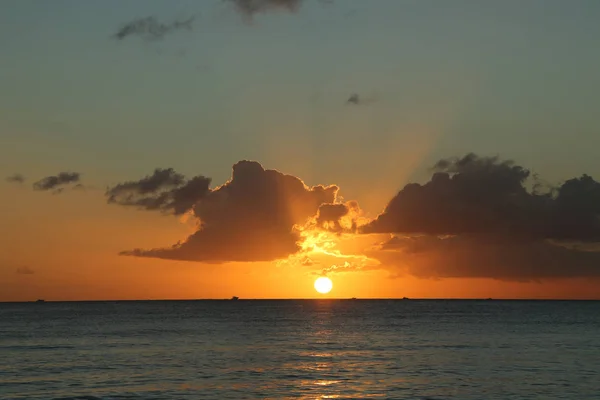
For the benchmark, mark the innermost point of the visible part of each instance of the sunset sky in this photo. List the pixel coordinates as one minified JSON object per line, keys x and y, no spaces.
{"x":155,"y":149}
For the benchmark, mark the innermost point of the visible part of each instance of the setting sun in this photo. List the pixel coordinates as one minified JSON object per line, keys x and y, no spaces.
{"x":323,"y":285}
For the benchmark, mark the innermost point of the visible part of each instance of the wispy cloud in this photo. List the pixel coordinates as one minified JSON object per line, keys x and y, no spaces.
{"x":149,"y":28}
{"x":24,"y":270}
{"x":57,"y":182}
{"x":16,"y":178}
{"x":164,"y":190}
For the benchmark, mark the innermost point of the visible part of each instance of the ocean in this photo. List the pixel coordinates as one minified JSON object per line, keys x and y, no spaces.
{"x":300,"y":349}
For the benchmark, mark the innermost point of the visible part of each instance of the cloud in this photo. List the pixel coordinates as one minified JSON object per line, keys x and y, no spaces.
{"x":150,"y":28}
{"x":337,"y":217}
{"x":356,"y":99}
{"x":16,"y":178}
{"x":24,"y":270}
{"x":249,"y":218}
{"x":348,"y":266}
{"x":483,"y":195}
{"x":249,"y":8}
{"x":57,"y":182}
{"x":477,"y":256}
{"x":477,"y":217}
{"x":331,"y":213}
{"x":165,"y":190}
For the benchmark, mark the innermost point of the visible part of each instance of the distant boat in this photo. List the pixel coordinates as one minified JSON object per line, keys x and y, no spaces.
{"x":40,"y":301}
{"x":405,"y":298}
{"x":354,"y":298}
{"x":234,"y":298}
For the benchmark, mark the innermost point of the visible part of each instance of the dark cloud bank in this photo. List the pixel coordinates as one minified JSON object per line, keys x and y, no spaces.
{"x":476,"y":217}
{"x":474,"y":195}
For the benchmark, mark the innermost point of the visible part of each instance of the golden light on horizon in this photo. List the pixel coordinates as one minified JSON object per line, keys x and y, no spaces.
{"x":323,"y":285}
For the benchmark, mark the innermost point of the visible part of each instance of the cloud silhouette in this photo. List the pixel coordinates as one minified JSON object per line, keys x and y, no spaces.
{"x":338,"y":217}
{"x":164,"y":190}
{"x":479,"y":256}
{"x":24,"y":270}
{"x":476,"y":218}
{"x":149,"y":28}
{"x":249,"y":218}
{"x":331,"y":212}
{"x":484,"y":195}
{"x":16,"y":178}
{"x":57,"y":182}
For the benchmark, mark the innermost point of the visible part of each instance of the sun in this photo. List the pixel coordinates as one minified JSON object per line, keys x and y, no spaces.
{"x":323,"y":285}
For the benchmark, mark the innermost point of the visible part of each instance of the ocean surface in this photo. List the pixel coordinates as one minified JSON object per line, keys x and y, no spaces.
{"x":309,"y":349}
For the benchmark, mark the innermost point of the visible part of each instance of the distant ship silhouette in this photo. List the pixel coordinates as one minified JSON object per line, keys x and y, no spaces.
{"x":234,"y":298}
{"x":40,"y":301}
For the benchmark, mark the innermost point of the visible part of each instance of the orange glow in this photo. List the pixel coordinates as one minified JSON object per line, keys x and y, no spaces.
{"x":73,"y":254}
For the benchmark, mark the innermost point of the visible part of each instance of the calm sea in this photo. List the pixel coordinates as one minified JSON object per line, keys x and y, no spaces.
{"x":312,"y":349}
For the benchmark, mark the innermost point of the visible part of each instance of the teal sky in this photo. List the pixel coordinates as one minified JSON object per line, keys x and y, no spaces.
{"x":516,"y":78}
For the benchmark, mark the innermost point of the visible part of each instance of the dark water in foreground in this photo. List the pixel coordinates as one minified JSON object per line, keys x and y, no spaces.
{"x":300,"y":349}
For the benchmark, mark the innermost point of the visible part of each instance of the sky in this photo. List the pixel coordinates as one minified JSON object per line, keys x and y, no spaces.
{"x":155,"y":149}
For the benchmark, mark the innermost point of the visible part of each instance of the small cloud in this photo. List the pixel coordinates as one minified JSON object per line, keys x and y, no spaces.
{"x":356,"y":265}
{"x":24,"y":270}
{"x":307,"y":262}
{"x":353,"y":99}
{"x":338,"y":217}
{"x":16,"y":178}
{"x":150,"y":28}
{"x":249,"y":8}
{"x":56,"y":182}
{"x":346,"y":267}
{"x":356,"y":99}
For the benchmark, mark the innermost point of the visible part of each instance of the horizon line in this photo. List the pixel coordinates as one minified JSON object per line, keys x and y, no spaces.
{"x":307,"y":299}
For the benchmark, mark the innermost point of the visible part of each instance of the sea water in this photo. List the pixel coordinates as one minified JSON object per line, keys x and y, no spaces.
{"x":305,"y":349}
